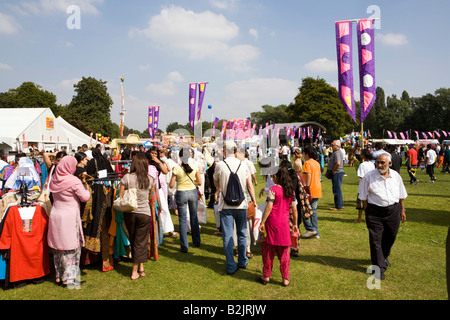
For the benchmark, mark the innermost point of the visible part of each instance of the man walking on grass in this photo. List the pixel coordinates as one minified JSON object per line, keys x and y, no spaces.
{"x":336,"y":163}
{"x":236,"y":214}
{"x":382,"y":193}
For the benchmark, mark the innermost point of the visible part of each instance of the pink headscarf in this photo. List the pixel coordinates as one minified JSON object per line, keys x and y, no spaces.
{"x":64,"y":178}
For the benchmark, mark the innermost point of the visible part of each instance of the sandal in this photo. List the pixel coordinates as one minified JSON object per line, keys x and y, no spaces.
{"x":250,"y":255}
{"x":141,"y":273}
{"x":262,"y":280}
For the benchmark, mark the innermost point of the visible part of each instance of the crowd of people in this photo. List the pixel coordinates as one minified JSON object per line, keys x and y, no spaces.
{"x":183,"y":178}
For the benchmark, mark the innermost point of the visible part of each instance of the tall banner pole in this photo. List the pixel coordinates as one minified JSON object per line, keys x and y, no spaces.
{"x":122,"y":111}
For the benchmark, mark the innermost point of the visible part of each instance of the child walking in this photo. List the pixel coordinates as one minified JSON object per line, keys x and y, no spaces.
{"x":365,"y":166}
{"x":275,"y":225}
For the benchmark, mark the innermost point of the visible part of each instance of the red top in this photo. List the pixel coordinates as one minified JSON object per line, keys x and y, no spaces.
{"x":27,"y":241}
{"x":412,"y":153}
{"x":277,"y":224}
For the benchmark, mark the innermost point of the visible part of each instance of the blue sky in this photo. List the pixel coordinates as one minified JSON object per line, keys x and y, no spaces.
{"x":250,"y":52}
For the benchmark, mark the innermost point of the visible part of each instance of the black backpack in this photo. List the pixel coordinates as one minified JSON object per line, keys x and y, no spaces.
{"x":234,"y":195}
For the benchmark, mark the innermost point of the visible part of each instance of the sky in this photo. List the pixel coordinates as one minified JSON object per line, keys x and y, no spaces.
{"x":251,"y":52}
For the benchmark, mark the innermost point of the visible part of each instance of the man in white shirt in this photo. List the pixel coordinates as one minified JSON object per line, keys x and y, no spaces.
{"x":231,"y":215}
{"x":382,"y":193}
{"x":430,"y":159}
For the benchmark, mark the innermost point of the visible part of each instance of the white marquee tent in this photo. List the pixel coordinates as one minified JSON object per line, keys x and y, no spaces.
{"x":23,"y":128}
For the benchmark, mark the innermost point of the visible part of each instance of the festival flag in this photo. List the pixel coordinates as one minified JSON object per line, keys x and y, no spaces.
{"x":260,"y":131}
{"x":192,"y":97}
{"x":318,"y":133}
{"x":216,"y":120}
{"x":151,"y":121}
{"x":407,"y":135}
{"x":395,"y":135}
{"x":278,"y":131}
{"x":155,"y":120}
{"x":201,"y":95}
{"x":368,"y":132}
{"x":445,"y":133}
{"x":366,"y":52}
{"x":437,"y":133}
{"x":389,"y":134}
{"x":417,"y":134}
{"x":253,"y":129}
{"x":224,"y":128}
{"x":267,"y":129}
{"x":424,"y":135}
{"x":431,"y":135}
{"x":345,"y":66}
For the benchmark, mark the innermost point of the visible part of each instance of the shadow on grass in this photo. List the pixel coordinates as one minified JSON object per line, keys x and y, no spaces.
{"x":204,"y":256}
{"x":358,"y":265}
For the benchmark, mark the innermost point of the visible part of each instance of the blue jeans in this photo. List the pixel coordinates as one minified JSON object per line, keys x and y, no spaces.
{"x":336,"y":181}
{"x":227,"y":219}
{"x":312,"y":223}
{"x":185,"y":199}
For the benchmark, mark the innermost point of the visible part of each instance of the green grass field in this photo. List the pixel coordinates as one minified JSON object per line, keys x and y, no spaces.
{"x":330,"y":268}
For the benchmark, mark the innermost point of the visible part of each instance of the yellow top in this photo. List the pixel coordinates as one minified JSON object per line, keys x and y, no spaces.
{"x":183,"y":181}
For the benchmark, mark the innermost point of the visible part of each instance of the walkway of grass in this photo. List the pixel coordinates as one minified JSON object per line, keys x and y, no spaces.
{"x":330,"y":268}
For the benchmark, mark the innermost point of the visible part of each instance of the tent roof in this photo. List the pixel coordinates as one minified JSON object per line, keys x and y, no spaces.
{"x":19,"y":119}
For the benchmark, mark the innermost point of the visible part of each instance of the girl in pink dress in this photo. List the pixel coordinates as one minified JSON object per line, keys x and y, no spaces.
{"x":275,"y":225}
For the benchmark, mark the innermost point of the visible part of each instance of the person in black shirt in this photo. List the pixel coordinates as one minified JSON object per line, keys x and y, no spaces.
{"x":395,"y":158}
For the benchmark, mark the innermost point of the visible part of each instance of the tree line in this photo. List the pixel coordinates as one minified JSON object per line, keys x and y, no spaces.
{"x":317,"y":101}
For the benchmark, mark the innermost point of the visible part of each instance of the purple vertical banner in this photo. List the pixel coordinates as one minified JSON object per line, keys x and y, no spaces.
{"x":192,"y":97}
{"x":155,"y":120}
{"x":345,"y":66}
{"x":366,"y":53}
{"x":216,"y":120}
{"x":151,"y":122}
{"x":201,"y":96}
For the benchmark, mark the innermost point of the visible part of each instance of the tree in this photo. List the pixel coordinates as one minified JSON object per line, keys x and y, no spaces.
{"x":270,"y":115}
{"x":90,"y":108}
{"x":30,"y":95}
{"x":319,"y":102}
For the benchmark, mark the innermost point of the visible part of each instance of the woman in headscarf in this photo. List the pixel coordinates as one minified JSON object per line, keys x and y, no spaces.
{"x":65,"y":233}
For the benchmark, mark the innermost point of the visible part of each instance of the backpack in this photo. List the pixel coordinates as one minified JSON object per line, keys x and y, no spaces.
{"x":234,"y":195}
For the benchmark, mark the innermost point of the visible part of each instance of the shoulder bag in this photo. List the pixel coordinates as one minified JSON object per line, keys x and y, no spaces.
{"x":128,"y":201}
{"x":199,"y":194}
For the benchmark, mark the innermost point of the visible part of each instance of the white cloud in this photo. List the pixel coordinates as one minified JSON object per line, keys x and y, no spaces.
{"x":253,"y":33}
{"x":4,"y":66}
{"x":201,"y":35}
{"x":392,"y":39}
{"x":322,"y":65}
{"x":56,"y":6}
{"x":228,"y":5}
{"x":8,"y":24}
{"x":167,"y":87}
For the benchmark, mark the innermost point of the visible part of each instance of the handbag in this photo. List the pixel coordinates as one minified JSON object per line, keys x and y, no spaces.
{"x":199,"y":194}
{"x":329,"y":174}
{"x":128,"y":201}
{"x":251,"y":210}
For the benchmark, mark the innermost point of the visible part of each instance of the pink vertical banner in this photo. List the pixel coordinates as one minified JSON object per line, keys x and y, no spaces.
{"x":344,"y":48}
{"x":224,"y":129}
{"x":402,"y":135}
{"x":389,"y":134}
